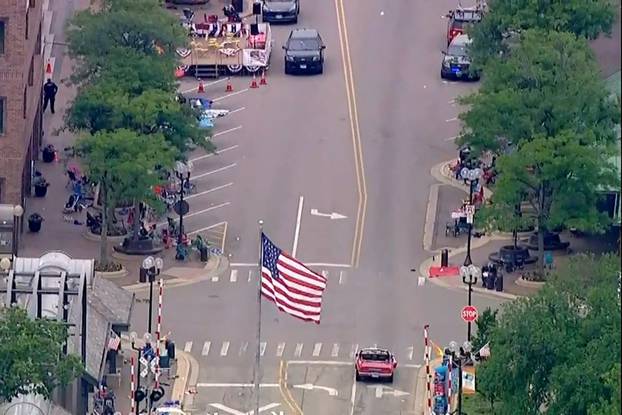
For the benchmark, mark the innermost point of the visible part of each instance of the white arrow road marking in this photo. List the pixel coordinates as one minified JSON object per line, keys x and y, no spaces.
{"x":384,"y":390}
{"x":236,"y":412}
{"x":332,"y":216}
{"x":310,"y":387}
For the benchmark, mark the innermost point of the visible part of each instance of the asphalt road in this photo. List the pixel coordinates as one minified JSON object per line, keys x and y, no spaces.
{"x":299,"y":137}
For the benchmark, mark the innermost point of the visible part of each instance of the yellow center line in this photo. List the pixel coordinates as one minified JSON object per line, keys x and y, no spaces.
{"x":356,"y":135}
{"x":286,"y":394}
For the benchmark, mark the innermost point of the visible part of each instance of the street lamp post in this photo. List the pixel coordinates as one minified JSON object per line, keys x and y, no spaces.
{"x":469,"y":276}
{"x":151,"y":268}
{"x":457,"y":360}
{"x":18,"y":211}
{"x":182,"y":172}
{"x":471,"y":175}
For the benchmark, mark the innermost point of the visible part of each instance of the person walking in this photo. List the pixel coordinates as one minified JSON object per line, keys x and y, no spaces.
{"x":49,"y":94}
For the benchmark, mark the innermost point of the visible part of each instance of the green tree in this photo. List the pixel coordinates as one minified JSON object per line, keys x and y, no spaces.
{"x":95,"y":36}
{"x":124,"y":163}
{"x":610,"y":404}
{"x":548,"y":84}
{"x":486,"y":322}
{"x":31,"y":355}
{"x":559,"y":177}
{"x":555,"y":349}
{"x":582,"y":18}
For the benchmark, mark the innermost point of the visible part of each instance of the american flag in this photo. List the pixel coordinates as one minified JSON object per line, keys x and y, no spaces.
{"x":294,"y":288}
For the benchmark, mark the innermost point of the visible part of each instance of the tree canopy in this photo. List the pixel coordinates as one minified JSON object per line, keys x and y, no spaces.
{"x":549,"y":83}
{"x":582,"y":18}
{"x":31,"y":355}
{"x":561,"y":348}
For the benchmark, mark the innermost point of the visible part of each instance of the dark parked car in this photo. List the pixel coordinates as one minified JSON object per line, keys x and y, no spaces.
{"x":456,"y":61}
{"x":276,"y":11}
{"x":304,"y":52}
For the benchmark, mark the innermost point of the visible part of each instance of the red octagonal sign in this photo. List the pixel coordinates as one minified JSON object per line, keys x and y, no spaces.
{"x":469,"y":313}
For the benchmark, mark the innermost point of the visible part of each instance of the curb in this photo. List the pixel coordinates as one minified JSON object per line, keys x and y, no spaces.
{"x":182,"y":373}
{"x":421,"y":389}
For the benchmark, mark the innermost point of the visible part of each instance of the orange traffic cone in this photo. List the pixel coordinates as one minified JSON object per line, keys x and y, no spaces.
{"x":263,"y":80}
{"x":48,"y":68}
{"x":201,"y":89}
{"x":229,"y":86}
{"x":254,"y":82}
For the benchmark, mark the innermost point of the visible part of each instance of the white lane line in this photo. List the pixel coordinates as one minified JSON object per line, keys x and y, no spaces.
{"x":230,"y":130}
{"x":280,"y":348}
{"x":452,"y":119}
{"x":298,"y":351}
{"x":353,"y":393}
{"x":217,"y":153}
{"x":262,"y":348}
{"x":317,"y":349}
{"x":301,"y":200}
{"x":198,"y":212}
{"x":250,"y":275}
{"x":353,"y":350}
{"x":205,"y":85}
{"x":235,"y":385}
{"x":243,"y":348}
{"x":451,"y":138}
{"x":224,"y":349}
{"x":312,"y":264}
{"x":206,"y":347}
{"x":224,"y":186}
{"x":234,"y":275}
{"x":206,"y":228}
{"x":188,"y":347}
{"x":335,"y":351}
{"x":236,"y":110}
{"x":198,"y":176}
{"x":241,"y":91}
{"x":342,"y":275}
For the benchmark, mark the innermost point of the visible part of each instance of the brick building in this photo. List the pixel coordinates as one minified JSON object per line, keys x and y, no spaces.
{"x":21,"y":80}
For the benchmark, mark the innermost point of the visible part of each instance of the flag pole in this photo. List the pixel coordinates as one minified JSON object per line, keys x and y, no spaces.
{"x":258,"y":354}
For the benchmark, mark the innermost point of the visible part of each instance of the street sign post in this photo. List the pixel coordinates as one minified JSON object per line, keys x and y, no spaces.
{"x":469,"y":313}
{"x":470,"y":212}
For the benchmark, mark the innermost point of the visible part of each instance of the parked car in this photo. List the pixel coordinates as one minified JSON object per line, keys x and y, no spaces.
{"x":458,"y":20}
{"x":456,"y":60}
{"x":304,"y":52}
{"x":374,"y":363}
{"x":277,"y":11}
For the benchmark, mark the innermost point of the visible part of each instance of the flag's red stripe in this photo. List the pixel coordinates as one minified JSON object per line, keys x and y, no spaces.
{"x":301,"y":314}
{"x":291,"y":274}
{"x":291,"y":287}
{"x":304,"y":271}
{"x":301,"y":306}
{"x":294,"y":300}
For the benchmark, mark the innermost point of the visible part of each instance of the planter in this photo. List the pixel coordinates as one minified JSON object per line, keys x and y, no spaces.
{"x":96,"y":237}
{"x":509,"y":255}
{"x":530,"y":284}
{"x":552,"y":242}
{"x":41,"y":190}
{"x":34,"y":222}
{"x":139,"y":247}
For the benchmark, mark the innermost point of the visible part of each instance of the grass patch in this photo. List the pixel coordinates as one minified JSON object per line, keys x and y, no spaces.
{"x":476,"y":405}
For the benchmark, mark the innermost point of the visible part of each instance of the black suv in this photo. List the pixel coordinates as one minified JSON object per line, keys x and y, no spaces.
{"x":304,"y":52}
{"x":276,"y":11}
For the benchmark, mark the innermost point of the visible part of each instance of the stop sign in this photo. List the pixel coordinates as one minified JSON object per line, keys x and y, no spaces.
{"x":469,"y":313}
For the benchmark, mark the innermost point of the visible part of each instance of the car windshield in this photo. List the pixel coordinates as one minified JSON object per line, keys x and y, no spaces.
{"x":304,"y":44}
{"x":457,"y":50}
{"x":376,"y":356}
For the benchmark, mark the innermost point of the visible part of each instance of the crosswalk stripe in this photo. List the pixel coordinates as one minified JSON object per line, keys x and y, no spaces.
{"x":188,"y":347}
{"x":215,"y":278}
{"x":243,"y":348}
{"x":298,"y":351}
{"x":317,"y":349}
{"x":234,"y":275}
{"x":206,"y":347}
{"x":325,"y":273}
{"x":250,"y":275}
{"x":353,"y":350}
{"x":224,"y":349}
{"x":335,"y":351}
{"x":342,"y":277}
{"x":411,"y":351}
{"x":280,"y":349}
{"x":262,"y":348}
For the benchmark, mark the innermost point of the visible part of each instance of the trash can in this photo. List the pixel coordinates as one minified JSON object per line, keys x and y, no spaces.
{"x":204,"y":252}
{"x":490,"y":281}
{"x":142,"y":275}
{"x":34,"y":222}
{"x":444,"y":258}
{"x":499,"y":282}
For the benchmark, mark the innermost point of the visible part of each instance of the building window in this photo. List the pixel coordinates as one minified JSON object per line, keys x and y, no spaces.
{"x":25,"y":106}
{"x":31,"y":72}
{"x":2,"y":35}
{"x":2,"y":114}
{"x":39,"y":46}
